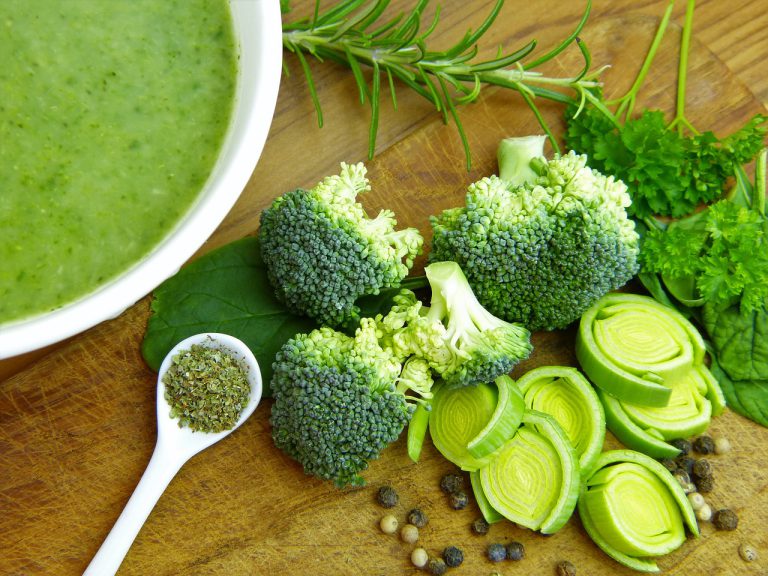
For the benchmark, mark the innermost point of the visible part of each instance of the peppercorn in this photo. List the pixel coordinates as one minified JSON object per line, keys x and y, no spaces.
{"x":409,"y":534}
{"x":702,"y":468}
{"x":388,"y":524}
{"x":685,"y":463}
{"x":682,"y":477}
{"x":706,"y":484}
{"x":704,"y":445}
{"x":497,"y":552}
{"x":436,"y":566}
{"x":387,"y":497}
{"x":748,"y":552}
{"x":480,"y":526}
{"x":704,"y":513}
{"x":722,"y":445}
{"x":453,"y":556}
{"x":515,"y":551}
{"x":681,"y":444}
{"x":451,"y":483}
{"x":459,"y":500}
{"x":669,"y":464}
{"x":696,"y":500}
{"x":566,"y":568}
{"x":417,"y":518}
{"x":419,"y":557}
{"x":725,"y":519}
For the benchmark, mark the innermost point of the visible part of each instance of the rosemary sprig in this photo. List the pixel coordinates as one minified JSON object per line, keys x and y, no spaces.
{"x":356,"y":34}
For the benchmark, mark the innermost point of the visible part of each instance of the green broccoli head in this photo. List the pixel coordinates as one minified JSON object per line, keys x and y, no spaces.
{"x":542,"y":242}
{"x":322,"y":251}
{"x":338,"y":401}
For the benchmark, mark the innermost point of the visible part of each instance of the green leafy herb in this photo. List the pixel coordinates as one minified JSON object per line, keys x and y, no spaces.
{"x":223,"y":291}
{"x":669,"y":167}
{"x":357,"y":34}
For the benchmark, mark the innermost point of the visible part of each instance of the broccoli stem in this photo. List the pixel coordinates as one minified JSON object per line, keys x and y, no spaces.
{"x":514,"y":158}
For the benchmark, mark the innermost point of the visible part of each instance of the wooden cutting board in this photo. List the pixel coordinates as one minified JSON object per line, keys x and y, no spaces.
{"x":77,"y":425}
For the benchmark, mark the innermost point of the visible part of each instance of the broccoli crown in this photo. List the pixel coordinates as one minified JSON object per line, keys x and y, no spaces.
{"x":336,"y":405}
{"x":481,"y":346}
{"x":542,"y":250}
{"x":322,"y":251}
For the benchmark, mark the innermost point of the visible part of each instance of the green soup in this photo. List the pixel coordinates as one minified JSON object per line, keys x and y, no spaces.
{"x":112,"y":113}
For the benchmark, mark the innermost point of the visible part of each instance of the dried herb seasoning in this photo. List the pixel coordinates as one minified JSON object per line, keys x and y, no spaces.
{"x":206,"y":388}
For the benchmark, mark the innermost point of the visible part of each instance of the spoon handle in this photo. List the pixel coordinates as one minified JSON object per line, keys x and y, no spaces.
{"x":160,"y":471}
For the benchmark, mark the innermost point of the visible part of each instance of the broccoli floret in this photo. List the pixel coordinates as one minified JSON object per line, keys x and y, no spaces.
{"x":481,"y":346}
{"x":339,"y":400}
{"x":544,"y":240}
{"x":322,"y":251}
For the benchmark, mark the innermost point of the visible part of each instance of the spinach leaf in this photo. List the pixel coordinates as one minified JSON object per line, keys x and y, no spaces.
{"x":227,"y":291}
{"x":740,"y":340}
{"x":746,"y":397}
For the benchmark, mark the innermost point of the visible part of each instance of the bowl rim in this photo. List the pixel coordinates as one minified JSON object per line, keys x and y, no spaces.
{"x":259,"y":45}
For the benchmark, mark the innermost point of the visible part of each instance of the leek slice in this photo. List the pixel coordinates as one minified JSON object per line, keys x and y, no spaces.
{"x":490,"y":514}
{"x":533,"y":480}
{"x":565,"y":394}
{"x":688,"y":413}
{"x":417,"y":430}
{"x":458,"y":416}
{"x":633,"y":509}
{"x":504,"y":422}
{"x":631,"y":346}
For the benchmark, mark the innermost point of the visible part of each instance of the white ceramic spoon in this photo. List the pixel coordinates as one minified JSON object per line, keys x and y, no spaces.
{"x":175,"y":445}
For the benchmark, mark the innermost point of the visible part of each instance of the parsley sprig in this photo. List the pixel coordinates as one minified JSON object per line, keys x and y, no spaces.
{"x":382,"y":51}
{"x":670,"y":167}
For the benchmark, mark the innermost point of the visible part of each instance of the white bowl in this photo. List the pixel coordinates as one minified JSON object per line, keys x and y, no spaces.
{"x":258,"y":28}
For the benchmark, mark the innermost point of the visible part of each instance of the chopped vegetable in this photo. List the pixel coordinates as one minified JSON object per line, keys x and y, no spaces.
{"x":633,"y":509}
{"x":490,"y":515}
{"x":533,"y":480}
{"x":541,"y":242}
{"x":564,"y":393}
{"x":323,"y":252}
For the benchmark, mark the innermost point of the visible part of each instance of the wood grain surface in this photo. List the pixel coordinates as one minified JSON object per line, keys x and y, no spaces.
{"x":77,"y":421}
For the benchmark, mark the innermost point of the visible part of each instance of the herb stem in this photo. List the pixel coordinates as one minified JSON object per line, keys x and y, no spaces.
{"x":758,"y":202}
{"x":680,"y":121}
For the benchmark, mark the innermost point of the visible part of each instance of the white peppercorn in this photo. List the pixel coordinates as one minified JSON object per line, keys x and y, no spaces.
{"x":419,"y":557}
{"x":409,"y":534}
{"x":697,"y":500}
{"x":704,"y":513}
{"x":388,"y":524}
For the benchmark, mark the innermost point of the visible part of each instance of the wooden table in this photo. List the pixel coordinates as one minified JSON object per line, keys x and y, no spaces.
{"x":77,"y":421}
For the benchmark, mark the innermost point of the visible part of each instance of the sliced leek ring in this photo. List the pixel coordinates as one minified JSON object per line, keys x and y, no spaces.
{"x":649,"y":428}
{"x":565,"y":394}
{"x":631,"y":346}
{"x":490,"y":514}
{"x":504,"y":422}
{"x":533,"y":480}
{"x":458,"y":416}
{"x":634,"y":509}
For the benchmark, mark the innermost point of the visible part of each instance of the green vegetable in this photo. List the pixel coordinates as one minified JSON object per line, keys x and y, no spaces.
{"x":225,"y":291}
{"x":713,"y":265}
{"x":633,"y":509}
{"x":490,"y":515}
{"x":458,"y":416}
{"x":669,"y":167}
{"x":504,"y":422}
{"x":544,"y":240}
{"x":356,"y":34}
{"x":323,"y":252}
{"x":533,"y":480}
{"x":338,"y":401}
{"x":417,"y":431}
{"x":566,"y":395}
{"x":633,"y":348}
{"x":474,"y":346}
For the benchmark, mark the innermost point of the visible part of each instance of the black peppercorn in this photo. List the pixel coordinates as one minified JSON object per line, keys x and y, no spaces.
{"x":515,"y":551}
{"x":451,"y":483}
{"x":685,"y":463}
{"x":704,"y":445}
{"x":702,"y":468}
{"x":453,"y":556}
{"x":669,"y":464}
{"x":417,"y":518}
{"x":497,"y":552}
{"x":566,"y":568}
{"x":681,"y":444}
{"x":705,"y":484}
{"x":682,"y":477}
{"x":725,"y":519}
{"x":387,"y":497}
{"x":459,"y":500}
{"x":480,"y":526}
{"x":436,"y":566}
